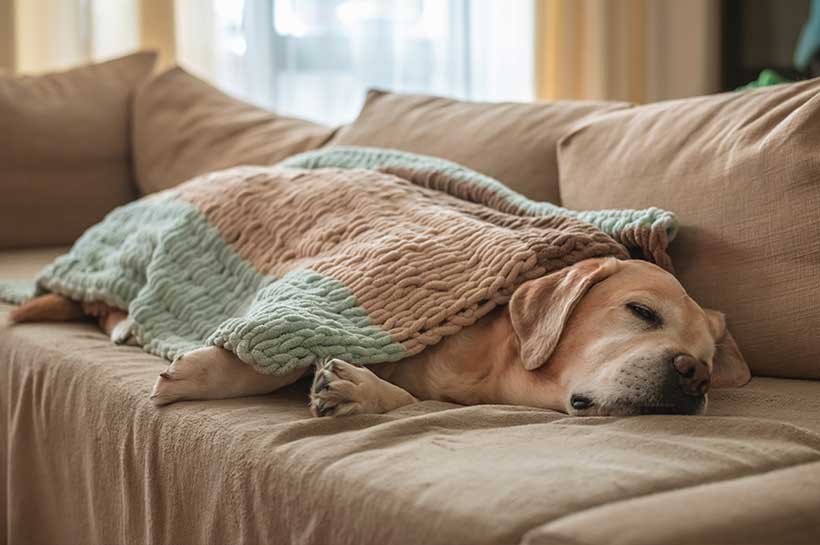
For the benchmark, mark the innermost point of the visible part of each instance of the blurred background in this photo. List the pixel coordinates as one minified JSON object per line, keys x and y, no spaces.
{"x":315,"y":58}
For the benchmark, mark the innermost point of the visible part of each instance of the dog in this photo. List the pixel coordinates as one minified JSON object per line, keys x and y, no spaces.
{"x":604,"y":337}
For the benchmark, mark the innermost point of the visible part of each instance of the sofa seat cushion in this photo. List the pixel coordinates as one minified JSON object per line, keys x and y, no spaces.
{"x":25,"y":263}
{"x":86,"y":458}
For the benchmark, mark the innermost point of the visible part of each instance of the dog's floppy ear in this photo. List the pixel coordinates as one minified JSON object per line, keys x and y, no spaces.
{"x":729,"y":369}
{"x":540,"y":308}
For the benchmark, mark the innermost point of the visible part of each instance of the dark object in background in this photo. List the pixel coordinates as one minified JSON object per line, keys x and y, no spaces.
{"x":761,"y":34}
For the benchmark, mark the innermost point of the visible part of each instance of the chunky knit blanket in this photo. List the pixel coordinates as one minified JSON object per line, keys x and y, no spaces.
{"x":363,"y":254}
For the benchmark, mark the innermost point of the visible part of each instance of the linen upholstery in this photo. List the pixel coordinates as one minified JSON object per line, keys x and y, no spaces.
{"x":260,"y":470}
{"x":65,"y":149}
{"x":184,"y":127}
{"x":511,"y":142}
{"x":740,"y":170}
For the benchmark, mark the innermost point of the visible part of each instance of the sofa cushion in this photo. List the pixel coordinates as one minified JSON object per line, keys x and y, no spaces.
{"x":514,"y":143}
{"x":741,"y":171}
{"x":184,"y":127}
{"x":64,"y":149}
{"x":25,"y":263}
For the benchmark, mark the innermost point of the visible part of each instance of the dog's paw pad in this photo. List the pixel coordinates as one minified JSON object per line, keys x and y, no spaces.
{"x":333,"y":392}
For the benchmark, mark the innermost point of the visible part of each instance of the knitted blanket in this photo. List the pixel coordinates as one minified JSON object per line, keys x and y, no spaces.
{"x":363,"y":254}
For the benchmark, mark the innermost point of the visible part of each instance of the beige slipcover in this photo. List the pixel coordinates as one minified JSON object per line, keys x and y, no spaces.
{"x":87,"y":459}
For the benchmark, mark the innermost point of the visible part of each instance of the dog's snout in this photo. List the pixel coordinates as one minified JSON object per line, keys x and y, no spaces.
{"x":693,"y":374}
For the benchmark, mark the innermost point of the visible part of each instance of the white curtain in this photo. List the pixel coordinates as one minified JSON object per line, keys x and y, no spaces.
{"x":305,"y":58}
{"x":316,"y":58}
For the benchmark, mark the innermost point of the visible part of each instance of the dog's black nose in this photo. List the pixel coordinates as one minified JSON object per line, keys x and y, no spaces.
{"x":579,"y":402}
{"x":693,"y":374}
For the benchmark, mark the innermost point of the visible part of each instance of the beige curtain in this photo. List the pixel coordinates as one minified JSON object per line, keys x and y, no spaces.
{"x":157,"y":29}
{"x":42,"y":35}
{"x":633,"y":50}
{"x":48,"y":34}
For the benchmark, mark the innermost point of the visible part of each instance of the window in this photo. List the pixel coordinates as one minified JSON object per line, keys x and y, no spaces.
{"x":316,"y":58}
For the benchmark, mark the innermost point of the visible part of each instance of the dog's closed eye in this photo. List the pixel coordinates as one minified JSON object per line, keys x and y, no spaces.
{"x":646,"y":314}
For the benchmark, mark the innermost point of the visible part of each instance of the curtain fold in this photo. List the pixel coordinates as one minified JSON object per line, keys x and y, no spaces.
{"x":49,"y":34}
{"x":631,"y":50}
{"x":42,"y":35}
{"x":7,"y":36}
{"x":157,"y":30}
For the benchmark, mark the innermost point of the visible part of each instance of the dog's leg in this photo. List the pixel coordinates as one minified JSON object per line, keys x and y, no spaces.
{"x":118,"y":326}
{"x":113,"y":321}
{"x":51,"y":307}
{"x":340,"y":388}
{"x":214,"y":373}
{"x":122,"y":332}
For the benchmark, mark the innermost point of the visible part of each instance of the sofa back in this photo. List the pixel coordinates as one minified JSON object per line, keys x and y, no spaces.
{"x":65,"y":149}
{"x":184,"y":127}
{"x":512,"y":142}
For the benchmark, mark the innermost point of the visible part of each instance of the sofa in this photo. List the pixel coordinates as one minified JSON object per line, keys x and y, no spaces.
{"x":87,"y":459}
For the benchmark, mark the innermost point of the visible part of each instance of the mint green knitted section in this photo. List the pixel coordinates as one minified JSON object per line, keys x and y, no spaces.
{"x":301,"y":318}
{"x":161,"y":260}
{"x":17,"y":291}
{"x":110,"y":261}
{"x":612,"y":222}
{"x":185,"y":288}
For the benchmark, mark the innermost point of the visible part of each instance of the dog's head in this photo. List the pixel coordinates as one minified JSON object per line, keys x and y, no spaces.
{"x":623,"y":338}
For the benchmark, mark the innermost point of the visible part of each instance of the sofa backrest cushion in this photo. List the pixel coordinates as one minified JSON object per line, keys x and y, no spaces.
{"x":65,"y":149}
{"x":514,"y":143}
{"x":184,"y":127}
{"x":742,"y":171}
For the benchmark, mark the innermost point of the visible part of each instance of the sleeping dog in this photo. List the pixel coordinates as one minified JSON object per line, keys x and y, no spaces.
{"x":602,"y":337}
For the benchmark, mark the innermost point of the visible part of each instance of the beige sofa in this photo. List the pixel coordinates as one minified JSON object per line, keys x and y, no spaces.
{"x":87,"y":459}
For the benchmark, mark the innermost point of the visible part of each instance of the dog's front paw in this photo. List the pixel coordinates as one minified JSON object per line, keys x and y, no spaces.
{"x":338,"y":389}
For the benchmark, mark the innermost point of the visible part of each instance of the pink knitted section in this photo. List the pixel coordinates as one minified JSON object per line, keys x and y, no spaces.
{"x":423,"y":262}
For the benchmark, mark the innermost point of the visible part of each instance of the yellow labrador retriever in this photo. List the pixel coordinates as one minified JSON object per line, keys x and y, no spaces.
{"x":603,"y":337}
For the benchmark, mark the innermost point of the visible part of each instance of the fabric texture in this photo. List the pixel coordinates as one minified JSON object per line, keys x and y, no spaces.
{"x":514,"y":143}
{"x":365,"y":265}
{"x":65,"y":149}
{"x":184,"y":127}
{"x":740,"y":171}
{"x":86,"y":459}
